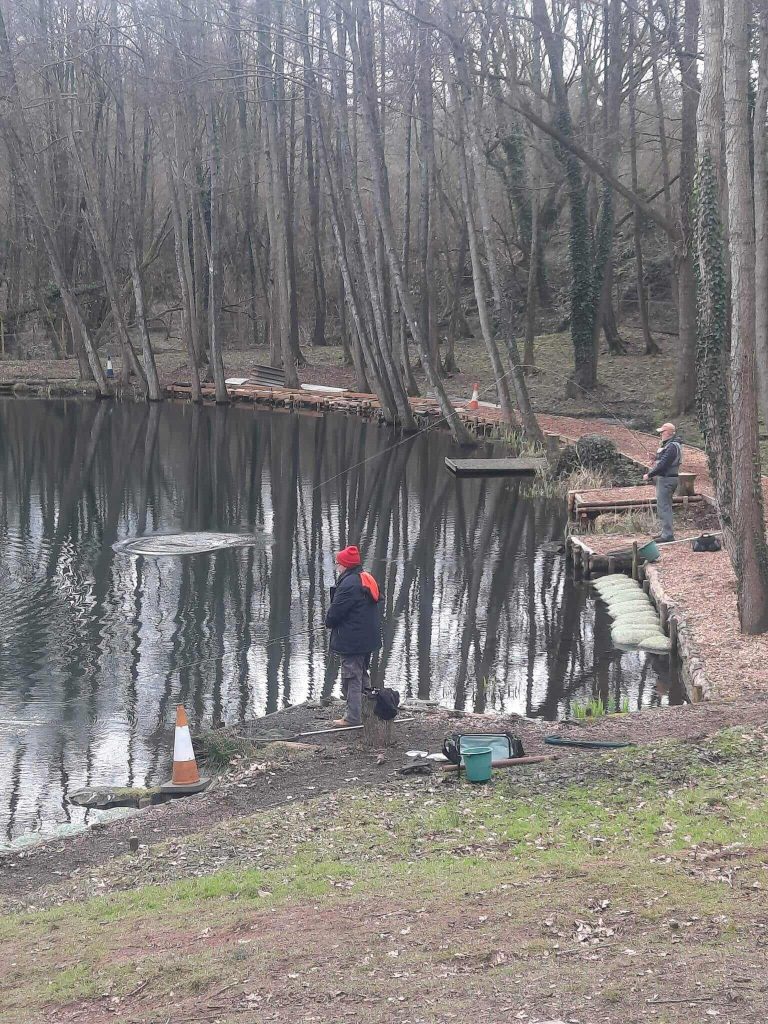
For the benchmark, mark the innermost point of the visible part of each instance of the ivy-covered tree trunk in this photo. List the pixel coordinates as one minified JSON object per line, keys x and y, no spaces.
{"x":726,"y":381}
{"x":712,"y":395}
{"x":580,"y":243}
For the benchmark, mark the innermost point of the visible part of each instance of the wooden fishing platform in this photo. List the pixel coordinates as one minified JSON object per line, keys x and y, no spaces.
{"x":496,"y":467}
{"x":584,"y":506}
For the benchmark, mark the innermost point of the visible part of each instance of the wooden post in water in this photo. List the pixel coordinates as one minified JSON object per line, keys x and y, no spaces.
{"x":376,"y":732}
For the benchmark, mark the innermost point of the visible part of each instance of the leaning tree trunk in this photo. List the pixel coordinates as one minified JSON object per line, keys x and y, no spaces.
{"x":363,"y":58}
{"x":751,"y":565}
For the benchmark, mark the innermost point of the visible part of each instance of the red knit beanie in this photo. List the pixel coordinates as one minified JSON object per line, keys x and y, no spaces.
{"x":349,"y":557}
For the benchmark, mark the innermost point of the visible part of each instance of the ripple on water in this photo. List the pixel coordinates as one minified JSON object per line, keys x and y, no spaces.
{"x":160,"y":545}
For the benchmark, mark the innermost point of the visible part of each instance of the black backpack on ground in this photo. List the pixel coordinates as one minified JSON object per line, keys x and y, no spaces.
{"x":387,"y":703}
{"x":503,"y":744}
{"x":707,"y":542}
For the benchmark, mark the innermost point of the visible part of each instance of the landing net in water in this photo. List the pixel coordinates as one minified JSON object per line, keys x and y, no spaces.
{"x":174,"y":544}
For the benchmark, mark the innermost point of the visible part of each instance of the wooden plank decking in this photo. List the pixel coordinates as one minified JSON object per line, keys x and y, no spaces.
{"x":495,"y":467}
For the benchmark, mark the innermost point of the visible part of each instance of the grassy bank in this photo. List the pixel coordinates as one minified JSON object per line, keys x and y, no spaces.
{"x":611,"y":888}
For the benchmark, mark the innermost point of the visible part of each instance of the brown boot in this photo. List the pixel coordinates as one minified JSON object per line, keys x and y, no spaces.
{"x":341,"y":723}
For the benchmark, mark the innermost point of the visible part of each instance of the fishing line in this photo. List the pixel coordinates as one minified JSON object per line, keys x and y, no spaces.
{"x":411,"y":437}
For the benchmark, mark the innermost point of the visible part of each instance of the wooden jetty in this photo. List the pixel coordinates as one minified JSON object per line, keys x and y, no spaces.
{"x":584,"y":506}
{"x":496,"y":467}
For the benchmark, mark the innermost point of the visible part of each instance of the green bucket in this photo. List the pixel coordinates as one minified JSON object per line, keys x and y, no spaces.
{"x":650,"y":551}
{"x":477,"y":764}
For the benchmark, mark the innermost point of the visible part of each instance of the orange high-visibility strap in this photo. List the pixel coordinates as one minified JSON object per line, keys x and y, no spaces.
{"x":370,"y":584}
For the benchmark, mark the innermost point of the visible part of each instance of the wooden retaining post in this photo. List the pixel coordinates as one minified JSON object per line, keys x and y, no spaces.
{"x":635,"y":562}
{"x":673,"y":632}
{"x":663,"y":614}
{"x":611,"y":564}
{"x":578,"y":555}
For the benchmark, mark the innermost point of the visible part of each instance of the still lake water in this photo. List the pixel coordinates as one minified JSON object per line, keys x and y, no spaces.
{"x":97,"y":647}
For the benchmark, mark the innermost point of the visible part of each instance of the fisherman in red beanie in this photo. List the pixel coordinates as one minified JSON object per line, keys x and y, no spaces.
{"x":354,"y":619}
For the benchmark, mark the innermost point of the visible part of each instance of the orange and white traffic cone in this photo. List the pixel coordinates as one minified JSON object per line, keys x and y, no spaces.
{"x":474,"y":402}
{"x":185,"y":777}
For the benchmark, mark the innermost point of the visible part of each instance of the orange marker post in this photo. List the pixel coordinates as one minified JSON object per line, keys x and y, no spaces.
{"x":474,"y":402}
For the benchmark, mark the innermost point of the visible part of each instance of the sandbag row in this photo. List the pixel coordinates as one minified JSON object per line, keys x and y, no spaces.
{"x":635,"y":620}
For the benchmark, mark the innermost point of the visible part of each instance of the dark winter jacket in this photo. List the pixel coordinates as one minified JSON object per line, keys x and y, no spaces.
{"x":668,"y":458}
{"x":354,"y":615}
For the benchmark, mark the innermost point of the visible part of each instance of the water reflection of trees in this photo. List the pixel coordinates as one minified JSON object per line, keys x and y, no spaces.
{"x":98,"y":648}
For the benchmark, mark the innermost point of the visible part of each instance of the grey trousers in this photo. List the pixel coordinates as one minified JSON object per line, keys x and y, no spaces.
{"x":354,"y":679}
{"x":665,"y":488}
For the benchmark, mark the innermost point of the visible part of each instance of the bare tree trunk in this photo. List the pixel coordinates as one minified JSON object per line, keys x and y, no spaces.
{"x":760,"y":148}
{"x":247,"y":163}
{"x":381,"y":357}
{"x":154,"y":392}
{"x":456,"y":315}
{"x":651,"y":348}
{"x":411,"y":386}
{"x":751,"y":564}
{"x":534,"y":252}
{"x":183,"y":270}
{"x":685,"y":377}
{"x":503,"y":313}
{"x":284,"y":139}
{"x":478,"y":279}
{"x":214,"y":255}
{"x":426,"y":152}
{"x":21,"y":152}
{"x":94,"y":217}
{"x":383,"y":214}
{"x":277,"y":207}
{"x":313,"y":192}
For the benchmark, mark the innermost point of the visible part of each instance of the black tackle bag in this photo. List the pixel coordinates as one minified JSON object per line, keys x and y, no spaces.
{"x":386,"y":703}
{"x":706,"y":542}
{"x":503,"y":745}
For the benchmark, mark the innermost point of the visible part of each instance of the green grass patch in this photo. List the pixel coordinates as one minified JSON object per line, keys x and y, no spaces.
{"x":625,"y":822}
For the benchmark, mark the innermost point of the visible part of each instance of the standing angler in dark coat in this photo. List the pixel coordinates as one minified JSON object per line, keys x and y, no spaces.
{"x":665,"y":470}
{"x":354,"y":618}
